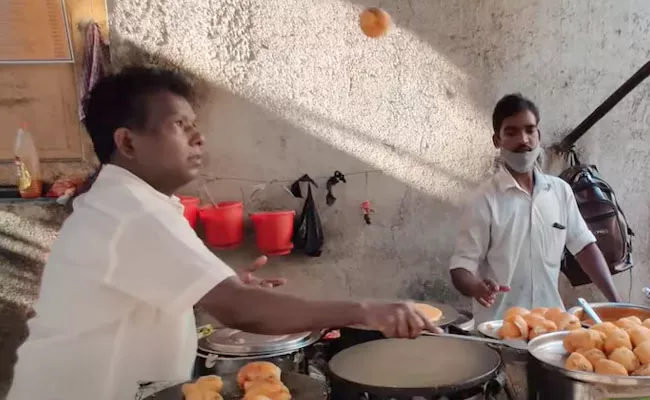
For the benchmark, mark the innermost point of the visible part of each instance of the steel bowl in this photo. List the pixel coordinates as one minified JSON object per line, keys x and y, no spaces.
{"x":611,"y":311}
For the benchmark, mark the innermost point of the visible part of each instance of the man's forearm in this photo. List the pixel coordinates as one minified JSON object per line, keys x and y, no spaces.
{"x":270,"y":312}
{"x":464,"y":281}
{"x":593,"y":263}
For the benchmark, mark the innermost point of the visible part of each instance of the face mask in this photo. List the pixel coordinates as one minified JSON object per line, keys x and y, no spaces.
{"x":521,"y":162}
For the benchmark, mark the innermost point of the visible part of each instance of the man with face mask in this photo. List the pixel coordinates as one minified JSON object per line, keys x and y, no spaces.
{"x":514,"y":230}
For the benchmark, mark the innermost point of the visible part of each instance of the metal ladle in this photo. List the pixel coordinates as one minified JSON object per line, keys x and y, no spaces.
{"x":512,"y":343}
{"x":589,"y":311}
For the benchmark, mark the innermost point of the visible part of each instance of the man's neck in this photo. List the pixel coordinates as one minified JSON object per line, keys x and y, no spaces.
{"x":525,"y":180}
{"x":164,"y":189}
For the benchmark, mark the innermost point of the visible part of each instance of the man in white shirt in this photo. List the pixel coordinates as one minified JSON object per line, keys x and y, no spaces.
{"x":126,"y":269}
{"x":514,"y":230}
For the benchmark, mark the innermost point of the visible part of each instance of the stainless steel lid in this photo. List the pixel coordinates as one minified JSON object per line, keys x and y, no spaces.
{"x":233,"y":342}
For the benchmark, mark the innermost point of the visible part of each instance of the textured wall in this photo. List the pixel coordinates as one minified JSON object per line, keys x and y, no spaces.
{"x":293,"y":87}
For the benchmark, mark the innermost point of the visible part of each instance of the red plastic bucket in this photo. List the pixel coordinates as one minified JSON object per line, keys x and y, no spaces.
{"x":223,"y":224}
{"x":191,"y":209}
{"x":274,"y":231}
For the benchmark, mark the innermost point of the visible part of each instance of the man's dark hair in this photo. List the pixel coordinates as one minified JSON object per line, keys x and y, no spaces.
{"x":120,"y":101}
{"x":510,"y":105}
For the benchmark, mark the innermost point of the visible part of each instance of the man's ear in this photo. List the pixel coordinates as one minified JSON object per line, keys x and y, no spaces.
{"x":496,"y":140}
{"x":123,"y":138}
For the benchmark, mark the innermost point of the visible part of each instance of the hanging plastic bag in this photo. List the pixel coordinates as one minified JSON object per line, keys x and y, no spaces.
{"x":308,"y":232}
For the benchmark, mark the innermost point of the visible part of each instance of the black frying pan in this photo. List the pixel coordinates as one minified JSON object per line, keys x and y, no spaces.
{"x":400,"y":368}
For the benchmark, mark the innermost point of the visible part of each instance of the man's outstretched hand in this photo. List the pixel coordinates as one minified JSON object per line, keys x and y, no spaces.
{"x":247,"y":276}
{"x":486,"y":292}
{"x":401,"y":320}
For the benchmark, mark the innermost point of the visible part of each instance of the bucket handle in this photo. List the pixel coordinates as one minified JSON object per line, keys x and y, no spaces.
{"x":207,"y":193}
{"x":204,"y":186}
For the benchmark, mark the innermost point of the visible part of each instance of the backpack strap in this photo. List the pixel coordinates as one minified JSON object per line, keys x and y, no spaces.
{"x":572,"y":157}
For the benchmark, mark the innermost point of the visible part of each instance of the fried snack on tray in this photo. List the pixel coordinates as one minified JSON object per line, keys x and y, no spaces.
{"x":626,"y":358}
{"x":643,"y":370}
{"x":639,"y":334}
{"x":205,"y":388}
{"x":539,"y":310}
{"x":604,"y":327}
{"x":514,"y":311}
{"x":609,"y":367}
{"x":618,"y":348}
{"x":515,"y":328}
{"x":626,"y":324}
{"x":533,"y":319}
{"x":578,"y":362}
{"x":593,"y":355}
{"x":261,"y":381}
{"x":633,"y":319}
{"x":553,"y":313}
{"x":567,"y":322}
{"x":274,"y":390}
{"x":616,"y":339}
{"x":269,"y":396}
{"x":191,"y":391}
{"x":642,"y":351}
{"x":269,"y":385}
{"x":598,"y":338}
{"x":258,"y":371}
{"x":545,"y":326}
{"x":212,"y":383}
{"x":579,"y":339}
{"x":520,"y":323}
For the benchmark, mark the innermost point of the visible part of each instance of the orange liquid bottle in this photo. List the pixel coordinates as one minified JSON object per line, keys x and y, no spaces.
{"x":28,"y":168}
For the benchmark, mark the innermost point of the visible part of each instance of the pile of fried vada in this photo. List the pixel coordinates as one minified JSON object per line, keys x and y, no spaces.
{"x":620,"y":348}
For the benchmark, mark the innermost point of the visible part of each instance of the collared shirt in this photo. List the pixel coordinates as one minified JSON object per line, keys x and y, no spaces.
{"x":116,"y":299}
{"x":518,"y":240}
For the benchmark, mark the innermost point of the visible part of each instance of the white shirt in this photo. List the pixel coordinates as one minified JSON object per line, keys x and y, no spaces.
{"x":508,"y":235}
{"x":117,"y":294}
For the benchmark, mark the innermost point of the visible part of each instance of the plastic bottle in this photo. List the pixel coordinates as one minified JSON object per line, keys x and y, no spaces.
{"x":28,"y":168}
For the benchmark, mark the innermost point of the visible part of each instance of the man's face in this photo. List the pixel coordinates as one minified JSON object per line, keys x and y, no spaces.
{"x":518,"y":133}
{"x":169,"y":149}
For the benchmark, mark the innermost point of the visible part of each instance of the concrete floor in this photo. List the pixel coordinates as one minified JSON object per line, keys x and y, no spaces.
{"x":26,"y":232}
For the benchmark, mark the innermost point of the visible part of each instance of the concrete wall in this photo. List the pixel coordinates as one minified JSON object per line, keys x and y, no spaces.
{"x":294,"y":87}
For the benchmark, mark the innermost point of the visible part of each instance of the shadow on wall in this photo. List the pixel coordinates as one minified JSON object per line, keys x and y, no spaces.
{"x":411,"y":235}
{"x":472,"y":35}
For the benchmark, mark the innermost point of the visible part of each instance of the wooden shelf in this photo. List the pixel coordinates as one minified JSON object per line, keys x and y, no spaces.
{"x":44,"y":95}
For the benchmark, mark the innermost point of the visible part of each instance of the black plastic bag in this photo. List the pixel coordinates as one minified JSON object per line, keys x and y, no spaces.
{"x":308,"y":231}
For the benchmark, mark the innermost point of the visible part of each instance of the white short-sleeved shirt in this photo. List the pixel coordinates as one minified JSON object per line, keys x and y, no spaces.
{"x":518,"y":240}
{"x":116,"y":299}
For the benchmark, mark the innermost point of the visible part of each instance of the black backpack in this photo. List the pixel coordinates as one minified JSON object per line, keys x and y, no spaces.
{"x":604,"y":217}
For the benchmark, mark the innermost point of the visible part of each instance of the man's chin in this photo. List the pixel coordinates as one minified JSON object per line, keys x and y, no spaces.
{"x":192,"y":174}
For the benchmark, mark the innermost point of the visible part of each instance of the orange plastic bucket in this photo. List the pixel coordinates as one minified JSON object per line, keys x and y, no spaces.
{"x":223,"y":224}
{"x":191,"y":209}
{"x":274,"y":231}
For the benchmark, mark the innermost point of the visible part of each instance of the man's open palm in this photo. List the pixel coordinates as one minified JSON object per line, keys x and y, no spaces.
{"x":247,"y":276}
